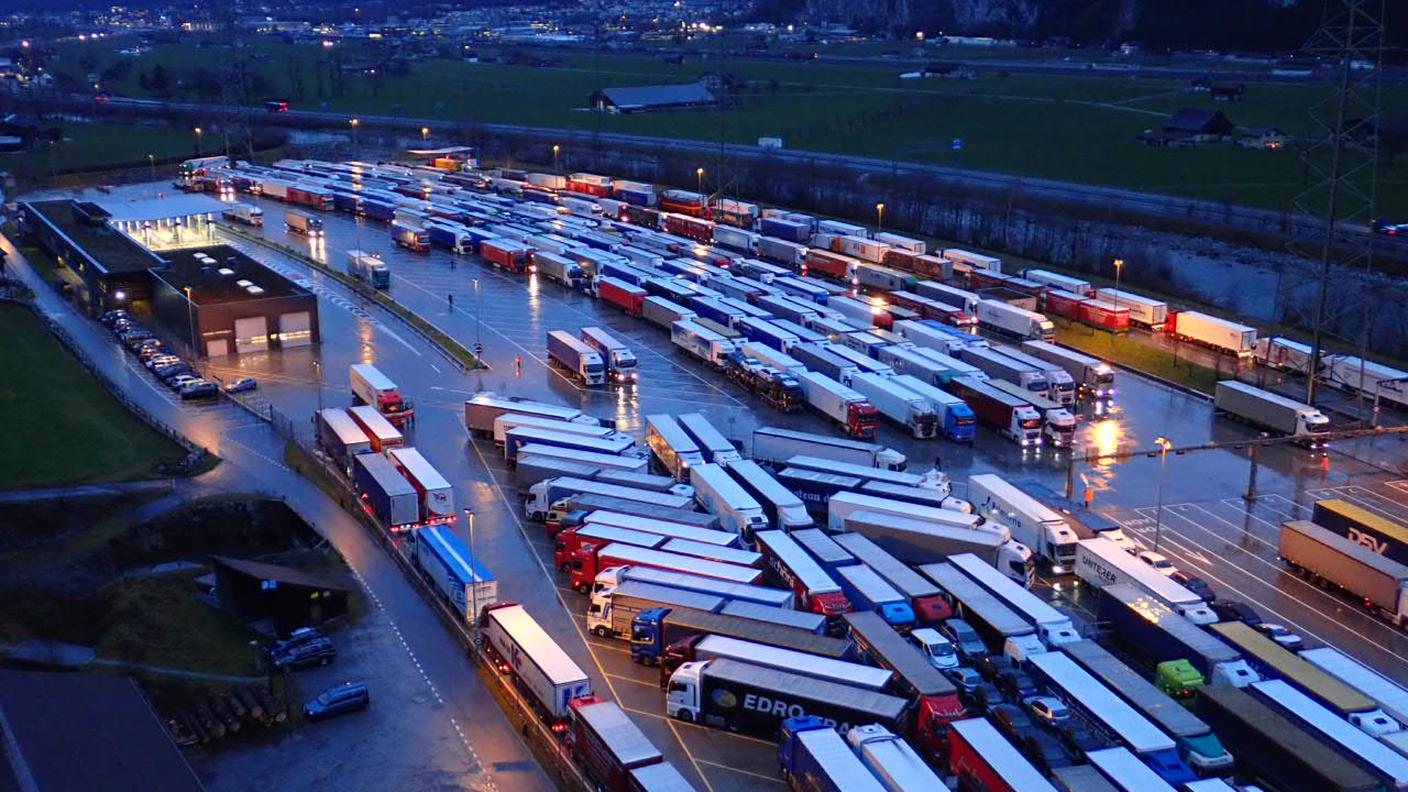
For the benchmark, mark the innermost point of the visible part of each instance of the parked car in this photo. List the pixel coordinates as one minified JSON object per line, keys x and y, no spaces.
{"x":1015,"y":683}
{"x":989,"y":666}
{"x":338,"y":700}
{"x":200,"y":389}
{"x":180,"y":381}
{"x":109,"y":318}
{"x":317,"y":652}
{"x":1012,"y":720}
{"x":1281,"y":635}
{"x":1157,"y":561}
{"x":241,"y":385}
{"x":937,"y":649}
{"x":965,"y":679}
{"x":1078,"y":738}
{"x":1044,"y":751}
{"x":299,"y":636}
{"x":983,"y":697}
{"x":158,"y":360}
{"x":168,"y":372}
{"x":964,"y":638}
{"x":1194,"y":584}
{"x":1233,"y":610}
{"x":1048,"y":709}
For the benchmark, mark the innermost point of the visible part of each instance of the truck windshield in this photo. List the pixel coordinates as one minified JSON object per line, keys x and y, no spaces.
{"x":626,"y":360}
{"x":966,"y":421}
{"x":594,"y":367}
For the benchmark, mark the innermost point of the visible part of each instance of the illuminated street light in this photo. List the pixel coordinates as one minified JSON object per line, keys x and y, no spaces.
{"x":699,"y":177}
{"x":556,"y":149}
{"x":1164,"y":445}
{"x":880,"y":215}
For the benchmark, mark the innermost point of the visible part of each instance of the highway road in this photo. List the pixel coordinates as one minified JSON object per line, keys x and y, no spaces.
{"x":1201,"y":525}
{"x":1104,"y":199}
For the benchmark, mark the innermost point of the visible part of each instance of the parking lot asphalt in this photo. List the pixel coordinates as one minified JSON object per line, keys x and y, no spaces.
{"x":1203,"y":525}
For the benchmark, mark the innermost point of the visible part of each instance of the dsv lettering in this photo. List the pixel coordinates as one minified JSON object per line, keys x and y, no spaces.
{"x":1373,"y":543}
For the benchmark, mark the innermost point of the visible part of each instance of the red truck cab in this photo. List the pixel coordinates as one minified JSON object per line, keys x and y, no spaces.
{"x":862,"y":419}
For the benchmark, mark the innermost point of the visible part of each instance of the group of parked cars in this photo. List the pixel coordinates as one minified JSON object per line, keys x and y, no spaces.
{"x":172,"y":371}
{"x":307,"y":647}
{"x":1226,"y":610}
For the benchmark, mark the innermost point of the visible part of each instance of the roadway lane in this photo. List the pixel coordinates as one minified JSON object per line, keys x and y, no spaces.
{"x":460,"y":735}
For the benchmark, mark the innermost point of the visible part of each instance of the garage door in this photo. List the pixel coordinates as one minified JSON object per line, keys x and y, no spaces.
{"x":295,"y":330}
{"x":252,"y":334}
{"x":217,"y":347}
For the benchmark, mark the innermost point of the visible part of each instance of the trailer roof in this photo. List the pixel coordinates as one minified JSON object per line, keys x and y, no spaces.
{"x":1153,"y":703}
{"x":1193,"y":638}
{"x":863,"y":472}
{"x":810,"y":437}
{"x":768,"y":487}
{"x":914,"y":511}
{"x":895,"y":572}
{"x":659,"y":777}
{"x":759,"y":630}
{"x":522,"y":406}
{"x":551,"y":423}
{"x":976,"y":600}
{"x":713,"y":477}
{"x":816,"y":666}
{"x":1116,"y":716}
{"x":626,"y":742}
{"x":843,"y":769}
{"x":612,"y":533}
{"x":385,"y":473}
{"x":1291,"y":667}
{"x":796,"y":561}
{"x":628,"y":493}
{"x":705,"y":433}
{"x":822,"y":547}
{"x":871,"y":585}
{"x":537,"y":644}
{"x":631,"y":554}
{"x":713,"y":551}
{"x":346,"y":429}
{"x":1148,"y":578}
{"x":1127,"y":771}
{"x":455,"y":553}
{"x":770,"y":599}
{"x":1391,"y":696}
{"x":890,"y":650}
{"x":1370,"y":751}
{"x":999,"y":754}
{"x":374,"y":423}
{"x":881,"y":706}
{"x":592,"y":458}
{"x":663,"y":527}
{"x":418,"y":468}
{"x":666,"y":595}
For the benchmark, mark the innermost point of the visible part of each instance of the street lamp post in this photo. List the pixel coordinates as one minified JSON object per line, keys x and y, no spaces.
{"x":556,"y":149}
{"x":198,"y":134}
{"x":476,"y":313}
{"x":151,"y":160}
{"x":191,"y":320}
{"x":699,"y":179}
{"x":474,"y":581}
{"x":880,"y":215}
{"x":1164,"y":445}
{"x":354,"y":123}
{"x":318,"y":367}
{"x":424,"y":133}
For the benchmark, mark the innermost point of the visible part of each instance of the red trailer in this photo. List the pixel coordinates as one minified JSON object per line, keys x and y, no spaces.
{"x":986,"y":279}
{"x":623,"y":295}
{"x":1063,"y":303}
{"x":983,"y":759}
{"x":589,"y":184}
{"x":922,"y":265}
{"x":506,"y":254}
{"x":1103,"y":313}
{"x":831,"y":265}
{"x":683,"y":202}
{"x":690,"y":227}
{"x":592,"y":558}
{"x":607,"y":744}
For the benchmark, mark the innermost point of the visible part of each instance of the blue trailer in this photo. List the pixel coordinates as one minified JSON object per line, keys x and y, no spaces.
{"x":764,"y":332}
{"x":714,"y":310}
{"x":813,"y":756}
{"x":816,"y":488}
{"x":804,"y":289}
{"x":384,"y":493}
{"x":467,"y":585}
{"x":669,"y":288}
{"x":867,"y":591}
{"x":378,"y":210}
{"x":790,"y":230}
{"x":346,"y":202}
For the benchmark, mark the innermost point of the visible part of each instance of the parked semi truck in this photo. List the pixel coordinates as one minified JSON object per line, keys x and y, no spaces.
{"x":707,"y":345}
{"x":1008,"y":415}
{"x":815,"y":589}
{"x":1391,"y":697}
{"x":813,"y":756}
{"x":903,"y":406}
{"x":1093,"y":378}
{"x":369,"y":269}
{"x":955,"y":419}
{"x":855,"y":414}
{"x":1271,"y":411}
{"x":244,"y":213}
{"x":1211,"y":331}
{"x":303,"y":223}
{"x":1102,"y":563}
{"x":435,"y":495}
{"x":712,"y":646}
{"x":524,"y":650}
{"x":918,"y":541}
{"x":384,"y":493}
{"x":1196,"y":743}
{"x":1378,"y":533}
{"x":781,"y":507}
{"x":340,"y":437}
{"x":1053,"y":627}
{"x":620,"y":360}
{"x":1032,"y":523}
{"x":774,"y":446}
{"x":485,"y":407}
{"x":608,"y":745}
{"x":999,"y":626}
{"x":923,"y":597}
{"x":1340,"y":563}
{"x":765,"y":596}
{"x":673,"y":448}
{"x":1058,"y":428}
{"x":1012,"y":321}
{"x":1149,"y":629}
{"x":612,"y":611}
{"x":371,"y":387}
{"x":467,"y":585}
{"x":720,"y":494}
{"x":1272,"y":747}
{"x":574,"y":356}
{"x":754,"y":700}
{"x":379,"y":431}
{"x":656,"y":635}
{"x":979,"y":752}
{"x":546,"y":494}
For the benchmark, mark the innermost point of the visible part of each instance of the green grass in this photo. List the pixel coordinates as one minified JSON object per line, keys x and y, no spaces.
{"x":1130,"y":353}
{"x":157,"y":620}
{"x":101,"y":146}
{"x":1076,"y":127}
{"x":66,"y":429}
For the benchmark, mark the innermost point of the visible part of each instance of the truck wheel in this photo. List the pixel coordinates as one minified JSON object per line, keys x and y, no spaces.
{"x":584,"y":589}
{"x":564,"y":568}
{"x":599,"y":632}
{"x":685,"y":716}
{"x":537,"y":517}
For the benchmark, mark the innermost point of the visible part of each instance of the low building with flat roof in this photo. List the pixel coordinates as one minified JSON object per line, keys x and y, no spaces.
{"x":642,"y":98}
{"x":109,"y":264}
{"x":222,"y":302}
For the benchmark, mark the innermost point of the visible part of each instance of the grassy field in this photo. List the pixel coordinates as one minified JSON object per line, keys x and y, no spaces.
{"x":99,"y":146}
{"x":1130,"y":353}
{"x":67,"y":429}
{"x":1081,"y":128}
{"x":151,"y":621}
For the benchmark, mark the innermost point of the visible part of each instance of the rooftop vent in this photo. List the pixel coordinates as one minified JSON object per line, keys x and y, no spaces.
{"x":226,"y":271}
{"x":254,"y":290}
